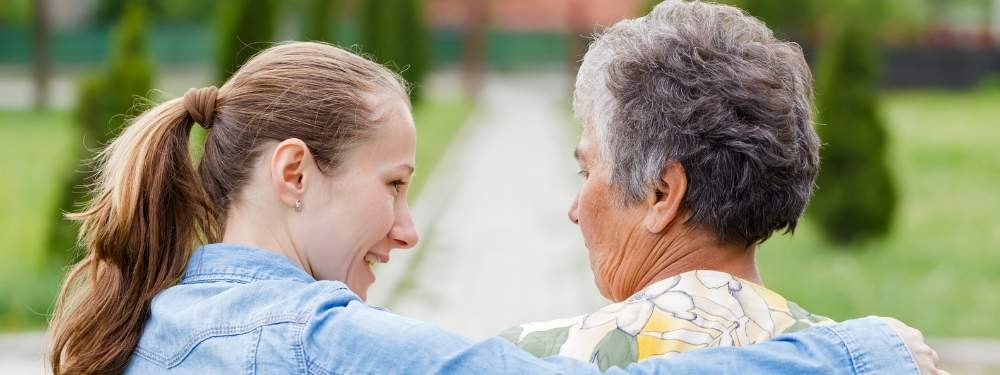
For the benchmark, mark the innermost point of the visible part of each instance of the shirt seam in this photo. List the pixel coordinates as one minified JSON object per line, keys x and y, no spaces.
{"x":847,"y":344}
{"x":310,"y":364}
{"x":901,"y":343}
{"x":178,"y":357}
{"x":252,"y":353}
{"x":233,"y":276}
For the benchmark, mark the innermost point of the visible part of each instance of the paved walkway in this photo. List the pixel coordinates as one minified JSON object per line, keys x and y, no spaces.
{"x":23,"y":353}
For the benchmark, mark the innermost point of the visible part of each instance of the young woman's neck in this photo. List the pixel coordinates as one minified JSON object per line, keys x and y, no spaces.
{"x":256,"y":230}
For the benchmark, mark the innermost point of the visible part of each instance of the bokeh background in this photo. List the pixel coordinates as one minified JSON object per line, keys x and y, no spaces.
{"x":904,"y":222}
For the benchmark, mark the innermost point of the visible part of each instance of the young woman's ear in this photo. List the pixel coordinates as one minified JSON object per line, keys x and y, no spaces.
{"x":665,"y":200}
{"x":289,"y":164}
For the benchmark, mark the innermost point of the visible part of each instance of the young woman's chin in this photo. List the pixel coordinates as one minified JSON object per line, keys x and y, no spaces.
{"x":361,"y":277}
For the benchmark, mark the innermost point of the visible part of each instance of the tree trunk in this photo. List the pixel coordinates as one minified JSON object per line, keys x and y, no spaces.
{"x":996,"y":23}
{"x":580,"y":28}
{"x":474,"y":46}
{"x":41,"y":68}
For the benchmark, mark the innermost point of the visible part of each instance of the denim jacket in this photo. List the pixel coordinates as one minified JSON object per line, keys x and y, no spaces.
{"x":244,"y":310}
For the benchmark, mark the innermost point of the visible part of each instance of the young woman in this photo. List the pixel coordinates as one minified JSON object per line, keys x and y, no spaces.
{"x":300,"y":189}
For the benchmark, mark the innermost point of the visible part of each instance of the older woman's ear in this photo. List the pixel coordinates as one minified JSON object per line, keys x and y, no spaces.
{"x":666,"y":197}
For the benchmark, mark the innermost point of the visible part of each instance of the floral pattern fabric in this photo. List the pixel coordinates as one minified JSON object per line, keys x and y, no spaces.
{"x":693,"y":310}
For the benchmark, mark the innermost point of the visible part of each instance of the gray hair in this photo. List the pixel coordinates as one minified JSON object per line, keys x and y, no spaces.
{"x":709,"y":87}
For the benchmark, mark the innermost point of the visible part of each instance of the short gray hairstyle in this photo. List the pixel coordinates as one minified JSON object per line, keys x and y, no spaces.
{"x":710,"y":87}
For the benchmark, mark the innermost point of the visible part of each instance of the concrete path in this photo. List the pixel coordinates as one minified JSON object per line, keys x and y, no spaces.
{"x":23,"y":353}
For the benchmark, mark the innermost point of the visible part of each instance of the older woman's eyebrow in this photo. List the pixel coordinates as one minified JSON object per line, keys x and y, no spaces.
{"x":577,"y":155}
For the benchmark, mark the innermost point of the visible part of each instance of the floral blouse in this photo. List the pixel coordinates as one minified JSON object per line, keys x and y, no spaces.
{"x":695,"y":309}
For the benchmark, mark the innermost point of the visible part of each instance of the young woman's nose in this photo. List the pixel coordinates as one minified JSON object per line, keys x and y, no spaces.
{"x":404,"y":233}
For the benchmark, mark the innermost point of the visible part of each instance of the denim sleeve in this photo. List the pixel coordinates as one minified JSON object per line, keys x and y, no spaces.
{"x":359,"y":339}
{"x":860,"y":346}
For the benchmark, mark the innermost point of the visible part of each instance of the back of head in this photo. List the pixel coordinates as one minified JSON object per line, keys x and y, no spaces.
{"x":710,"y":87}
{"x":150,"y":205}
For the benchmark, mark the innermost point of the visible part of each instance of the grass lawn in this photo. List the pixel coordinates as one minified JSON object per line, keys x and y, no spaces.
{"x":939,"y":270}
{"x":35,"y":151}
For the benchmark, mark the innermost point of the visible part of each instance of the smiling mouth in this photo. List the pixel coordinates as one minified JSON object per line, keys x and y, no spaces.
{"x":372,"y":258}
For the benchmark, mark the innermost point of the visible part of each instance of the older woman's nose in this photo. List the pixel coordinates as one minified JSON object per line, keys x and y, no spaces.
{"x":573,"y":210}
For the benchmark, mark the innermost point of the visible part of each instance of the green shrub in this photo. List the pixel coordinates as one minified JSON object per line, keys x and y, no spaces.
{"x":317,"y":20}
{"x":245,"y":27}
{"x":782,"y":16}
{"x":106,"y":99}
{"x":990,"y":83}
{"x":393,"y":32}
{"x":856,"y":196}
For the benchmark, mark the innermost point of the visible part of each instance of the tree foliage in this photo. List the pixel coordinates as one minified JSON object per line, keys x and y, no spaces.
{"x":105,"y":101}
{"x":394,"y":33}
{"x":245,"y":27}
{"x":856,"y":196}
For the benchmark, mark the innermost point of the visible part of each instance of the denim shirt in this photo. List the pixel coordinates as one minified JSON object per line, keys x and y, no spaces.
{"x":244,"y":310}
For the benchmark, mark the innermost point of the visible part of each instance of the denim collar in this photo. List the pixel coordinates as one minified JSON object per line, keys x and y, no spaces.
{"x":240,"y":263}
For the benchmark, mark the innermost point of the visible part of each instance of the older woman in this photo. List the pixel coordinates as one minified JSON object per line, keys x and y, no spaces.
{"x":697,"y":146}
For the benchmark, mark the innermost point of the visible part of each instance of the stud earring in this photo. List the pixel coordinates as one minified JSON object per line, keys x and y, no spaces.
{"x":298,"y":205}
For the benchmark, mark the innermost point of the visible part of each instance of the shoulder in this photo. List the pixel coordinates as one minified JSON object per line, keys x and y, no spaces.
{"x":542,"y":339}
{"x":354,"y":337}
{"x":688,"y":311}
{"x":191,"y":318}
{"x":804,"y":319}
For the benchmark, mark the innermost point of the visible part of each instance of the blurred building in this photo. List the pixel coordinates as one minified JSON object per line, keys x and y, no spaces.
{"x":950,"y":44}
{"x":537,"y":15}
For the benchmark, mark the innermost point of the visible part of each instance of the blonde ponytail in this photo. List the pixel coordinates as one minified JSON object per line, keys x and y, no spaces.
{"x":148,"y":210}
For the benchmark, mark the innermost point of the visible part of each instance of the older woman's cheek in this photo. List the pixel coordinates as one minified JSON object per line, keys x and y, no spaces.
{"x":633,"y":261}
{"x":611,"y":273}
{"x":611,"y":267}
{"x":602,"y":269}
{"x":623,"y":253}
{"x":603,"y":262}
{"x":601,"y":223}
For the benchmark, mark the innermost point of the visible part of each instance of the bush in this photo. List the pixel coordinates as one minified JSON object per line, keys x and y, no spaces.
{"x":782,"y":16}
{"x":316,"y":20}
{"x":393,"y":32}
{"x":245,"y":27}
{"x":856,"y":196}
{"x":105,"y":100}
